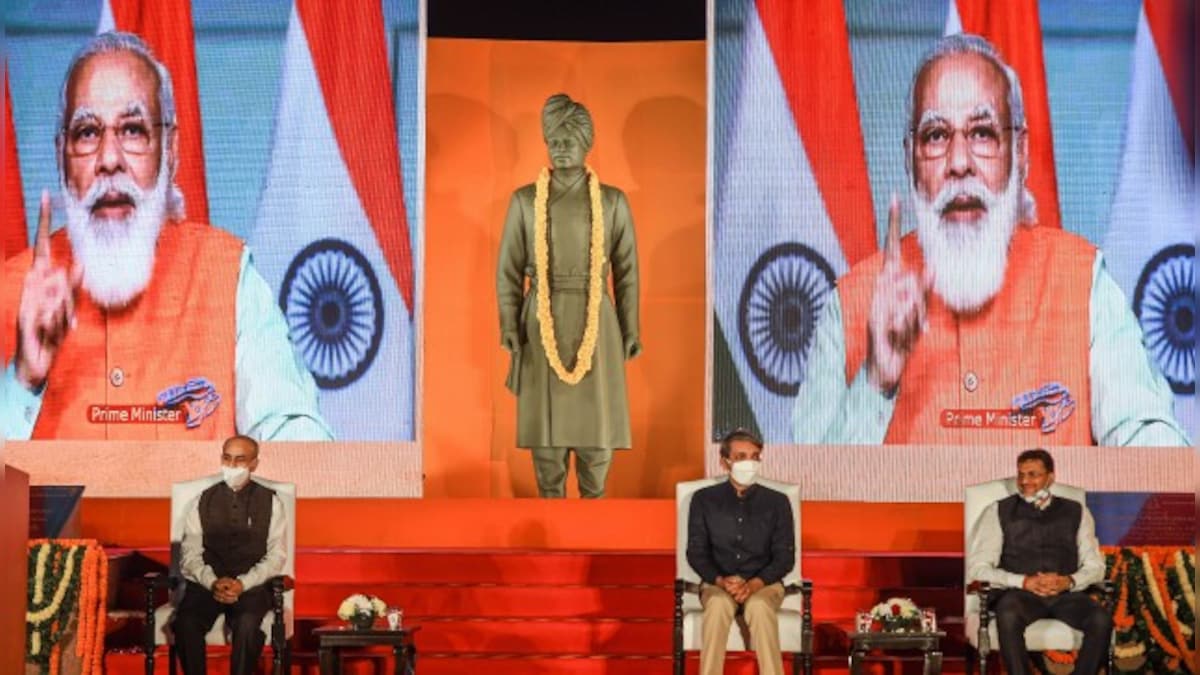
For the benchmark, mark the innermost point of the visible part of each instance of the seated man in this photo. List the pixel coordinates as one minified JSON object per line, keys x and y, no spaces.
{"x":233,"y":543}
{"x":1043,"y":552}
{"x":742,"y":542}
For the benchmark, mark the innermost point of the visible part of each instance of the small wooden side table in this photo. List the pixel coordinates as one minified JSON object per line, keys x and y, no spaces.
{"x":332,"y":638}
{"x":929,"y":643}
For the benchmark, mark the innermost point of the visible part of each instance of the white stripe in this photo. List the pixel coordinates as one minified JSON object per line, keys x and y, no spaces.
{"x":107,"y":22}
{"x":953,"y":20}
{"x":1155,"y":197}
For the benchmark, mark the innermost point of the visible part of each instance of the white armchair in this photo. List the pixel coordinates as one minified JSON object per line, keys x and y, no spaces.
{"x":795,"y":614}
{"x":277,"y":624}
{"x":982,"y":634}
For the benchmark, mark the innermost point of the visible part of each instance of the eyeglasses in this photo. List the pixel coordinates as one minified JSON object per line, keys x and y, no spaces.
{"x":983,"y":139}
{"x":135,"y":136}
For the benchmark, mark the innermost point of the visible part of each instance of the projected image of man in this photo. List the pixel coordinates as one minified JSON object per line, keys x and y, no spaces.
{"x":981,"y":326}
{"x":132,"y":322}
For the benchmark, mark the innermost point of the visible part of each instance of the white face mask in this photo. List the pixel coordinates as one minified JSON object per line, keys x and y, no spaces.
{"x":745,"y":472}
{"x":1039,"y":499}
{"x":235,"y":476}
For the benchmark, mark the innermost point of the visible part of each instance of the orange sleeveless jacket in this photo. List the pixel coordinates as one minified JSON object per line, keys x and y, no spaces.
{"x":965,"y":370}
{"x":113,"y":365}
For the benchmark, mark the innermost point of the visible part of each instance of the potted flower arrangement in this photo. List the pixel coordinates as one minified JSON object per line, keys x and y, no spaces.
{"x":361,"y":610}
{"x":896,"y":615}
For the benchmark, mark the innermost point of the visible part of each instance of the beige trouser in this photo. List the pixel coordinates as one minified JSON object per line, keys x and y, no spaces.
{"x":761,"y":613}
{"x":591,"y":470}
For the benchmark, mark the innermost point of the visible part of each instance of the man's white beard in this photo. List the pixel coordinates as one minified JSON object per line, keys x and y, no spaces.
{"x":967,"y":260}
{"x":117,"y":255}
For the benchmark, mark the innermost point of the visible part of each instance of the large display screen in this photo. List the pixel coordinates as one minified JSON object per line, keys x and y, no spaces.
{"x":243,"y":250}
{"x":1040,"y":289}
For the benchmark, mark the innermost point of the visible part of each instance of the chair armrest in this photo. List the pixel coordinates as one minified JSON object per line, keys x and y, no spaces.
{"x":805,"y":589}
{"x":1108,"y":593}
{"x":980,"y":588}
{"x":152,"y":581}
{"x":283,"y":582}
{"x":279,"y":585}
{"x":984,"y":590}
{"x":682,"y":586}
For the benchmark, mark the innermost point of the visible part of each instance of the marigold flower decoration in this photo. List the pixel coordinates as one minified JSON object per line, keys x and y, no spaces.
{"x":67,"y":586}
{"x":541,"y":255}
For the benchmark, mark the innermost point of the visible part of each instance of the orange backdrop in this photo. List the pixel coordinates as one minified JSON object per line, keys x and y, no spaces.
{"x":483,"y":140}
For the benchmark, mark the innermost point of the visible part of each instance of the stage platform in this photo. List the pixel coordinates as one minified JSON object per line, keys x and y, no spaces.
{"x":529,"y":586}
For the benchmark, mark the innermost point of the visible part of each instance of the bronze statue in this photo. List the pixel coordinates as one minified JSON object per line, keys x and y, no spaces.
{"x":566,"y":232}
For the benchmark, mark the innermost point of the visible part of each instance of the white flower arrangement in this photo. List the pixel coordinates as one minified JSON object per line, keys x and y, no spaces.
{"x":897,"y":614}
{"x":358,"y":604}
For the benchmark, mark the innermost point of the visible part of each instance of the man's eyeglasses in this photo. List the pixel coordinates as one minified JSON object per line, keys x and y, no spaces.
{"x":135,"y":137}
{"x":984,"y":139}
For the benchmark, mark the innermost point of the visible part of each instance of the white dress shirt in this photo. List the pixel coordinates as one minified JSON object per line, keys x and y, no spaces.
{"x":192,"y":563}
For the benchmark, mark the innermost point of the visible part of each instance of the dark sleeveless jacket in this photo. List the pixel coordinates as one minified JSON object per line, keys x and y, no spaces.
{"x":1040,"y":541}
{"x":235,"y":526}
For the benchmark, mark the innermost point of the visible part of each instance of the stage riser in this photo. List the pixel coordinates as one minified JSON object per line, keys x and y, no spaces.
{"x":592,"y":602}
{"x":830,"y":603}
{"x":431,"y":663}
{"x":844,"y":568}
{"x":522,"y":611}
{"x":582,"y":636}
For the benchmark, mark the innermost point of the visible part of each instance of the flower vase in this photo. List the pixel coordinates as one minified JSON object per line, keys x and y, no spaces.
{"x":362,"y":620}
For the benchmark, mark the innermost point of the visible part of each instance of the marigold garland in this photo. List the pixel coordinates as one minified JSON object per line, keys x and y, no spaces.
{"x":541,"y":255}
{"x":1152,"y":634}
{"x":67,"y":585}
{"x":1185,"y":580}
{"x":1155,"y":601}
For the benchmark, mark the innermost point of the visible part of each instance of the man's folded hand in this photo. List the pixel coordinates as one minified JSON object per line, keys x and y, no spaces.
{"x":748,"y":589}
{"x":227,"y":590}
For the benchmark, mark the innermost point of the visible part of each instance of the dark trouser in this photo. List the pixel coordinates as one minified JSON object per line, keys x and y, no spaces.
{"x":591,"y":469}
{"x":1016,"y":608}
{"x":195,"y":617}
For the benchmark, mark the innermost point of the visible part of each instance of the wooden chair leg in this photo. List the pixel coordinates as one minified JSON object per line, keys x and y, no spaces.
{"x":677,"y":629}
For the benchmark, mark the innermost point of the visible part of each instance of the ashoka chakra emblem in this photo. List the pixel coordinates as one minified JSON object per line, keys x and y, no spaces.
{"x":1165,"y":305}
{"x":782,"y":298}
{"x":334,"y":310}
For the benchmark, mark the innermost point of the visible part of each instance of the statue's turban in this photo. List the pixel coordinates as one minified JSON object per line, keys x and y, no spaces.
{"x":561,"y":112}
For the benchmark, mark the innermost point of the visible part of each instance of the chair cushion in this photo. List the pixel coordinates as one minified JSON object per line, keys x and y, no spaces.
{"x":1041,"y":635}
{"x":166,"y":613}
{"x":791,"y":637}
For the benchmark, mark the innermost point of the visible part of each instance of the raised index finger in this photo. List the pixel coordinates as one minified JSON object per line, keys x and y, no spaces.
{"x":891,"y":250}
{"x":41,"y":242}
